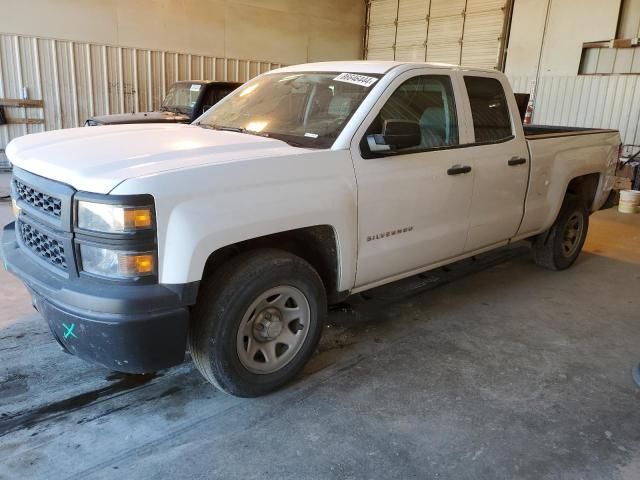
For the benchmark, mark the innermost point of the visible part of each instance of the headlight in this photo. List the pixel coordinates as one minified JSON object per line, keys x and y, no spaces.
{"x":102,"y":217}
{"x":116,"y":263}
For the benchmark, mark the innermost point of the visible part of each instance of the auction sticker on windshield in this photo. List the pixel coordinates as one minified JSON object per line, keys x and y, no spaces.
{"x":356,"y":79}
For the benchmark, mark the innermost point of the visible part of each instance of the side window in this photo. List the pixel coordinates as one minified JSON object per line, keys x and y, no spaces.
{"x":220,"y":93}
{"x":207,"y":100}
{"x":210,"y":98}
{"x":213,"y":95}
{"x":420,"y":115}
{"x":491,"y":120}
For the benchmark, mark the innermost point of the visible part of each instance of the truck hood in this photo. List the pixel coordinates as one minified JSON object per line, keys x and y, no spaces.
{"x":98,"y":159}
{"x":142,"y":117}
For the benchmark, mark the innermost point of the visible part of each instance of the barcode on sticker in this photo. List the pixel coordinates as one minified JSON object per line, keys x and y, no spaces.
{"x":356,"y":79}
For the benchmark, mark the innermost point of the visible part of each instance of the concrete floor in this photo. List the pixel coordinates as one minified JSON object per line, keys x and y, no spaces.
{"x":495,"y":369}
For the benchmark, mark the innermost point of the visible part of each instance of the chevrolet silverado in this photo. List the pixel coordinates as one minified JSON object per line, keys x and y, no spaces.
{"x":230,"y":236}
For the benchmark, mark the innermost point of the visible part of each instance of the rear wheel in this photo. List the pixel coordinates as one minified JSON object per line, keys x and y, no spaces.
{"x":559,"y":247}
{"x":257,"y":322}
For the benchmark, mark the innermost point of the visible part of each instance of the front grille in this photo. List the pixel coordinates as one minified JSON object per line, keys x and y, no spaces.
{"x":43,"y":246}
{"x":38,"y":200}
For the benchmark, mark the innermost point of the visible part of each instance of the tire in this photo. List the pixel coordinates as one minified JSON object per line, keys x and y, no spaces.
{"x":554,"y":249}
{"x":249,"y":293}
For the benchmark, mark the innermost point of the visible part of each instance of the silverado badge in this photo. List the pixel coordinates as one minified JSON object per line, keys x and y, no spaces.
{"x":390,"y":233}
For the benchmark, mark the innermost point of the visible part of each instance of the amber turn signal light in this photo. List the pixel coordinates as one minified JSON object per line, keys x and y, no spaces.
{"x":132,"y":265}
{"x":137,"y":219}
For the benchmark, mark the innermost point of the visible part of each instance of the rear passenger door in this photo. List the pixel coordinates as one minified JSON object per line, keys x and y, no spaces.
{"x":501,"y":162}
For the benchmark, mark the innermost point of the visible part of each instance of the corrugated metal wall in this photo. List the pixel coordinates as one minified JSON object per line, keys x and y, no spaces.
{"x":78,"y":80}
{"x":466,"y":32}
{"x":610,"y":60}
{"x":599,"y":101}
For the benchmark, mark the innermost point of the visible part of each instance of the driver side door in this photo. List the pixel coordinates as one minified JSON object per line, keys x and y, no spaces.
{"x":414,"y":197}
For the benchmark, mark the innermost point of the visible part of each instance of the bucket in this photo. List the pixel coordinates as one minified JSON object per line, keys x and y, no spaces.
{"x":629,"y":201}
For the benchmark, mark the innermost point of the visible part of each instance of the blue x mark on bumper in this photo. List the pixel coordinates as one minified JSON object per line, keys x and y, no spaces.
{"x":68,"y":331}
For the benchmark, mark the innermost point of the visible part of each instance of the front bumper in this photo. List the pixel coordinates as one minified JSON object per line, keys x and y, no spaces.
{"x":127,"y":328}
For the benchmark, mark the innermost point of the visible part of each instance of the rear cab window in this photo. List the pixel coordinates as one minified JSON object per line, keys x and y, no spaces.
{"x":489,"y":109}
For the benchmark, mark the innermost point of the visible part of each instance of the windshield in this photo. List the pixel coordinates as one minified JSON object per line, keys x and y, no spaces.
{"x":181,"y":98}
{"x":303,"y":109}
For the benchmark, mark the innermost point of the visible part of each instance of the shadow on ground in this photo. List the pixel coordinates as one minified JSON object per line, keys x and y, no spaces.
{"x":491,"y":368}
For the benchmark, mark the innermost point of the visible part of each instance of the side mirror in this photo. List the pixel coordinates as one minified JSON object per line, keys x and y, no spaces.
{"x":401,"y":133}
{"x":377,"y":143}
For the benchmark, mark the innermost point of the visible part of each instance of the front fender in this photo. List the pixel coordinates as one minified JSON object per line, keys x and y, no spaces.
{"x":201,"y":210}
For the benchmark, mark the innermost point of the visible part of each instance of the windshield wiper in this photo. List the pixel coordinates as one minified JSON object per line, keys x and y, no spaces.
{"x":225,"y":128}
{"x":230,"y":129}
{"x":221,"y":127}
{"x":176,"y":110}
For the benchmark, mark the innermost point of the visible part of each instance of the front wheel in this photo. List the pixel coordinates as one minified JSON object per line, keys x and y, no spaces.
{"x":257,"y":322}
{"x":559,"y":247}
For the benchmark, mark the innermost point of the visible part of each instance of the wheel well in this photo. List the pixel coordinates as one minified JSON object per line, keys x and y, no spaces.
{"x":585,"y":187}
{"x":317,"y":245}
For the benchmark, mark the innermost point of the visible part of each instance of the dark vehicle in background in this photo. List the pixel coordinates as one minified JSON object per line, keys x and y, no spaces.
{"x":185,"y":101}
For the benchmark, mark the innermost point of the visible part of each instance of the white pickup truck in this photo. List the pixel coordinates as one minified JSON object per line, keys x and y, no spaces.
{"x":231,"y":235}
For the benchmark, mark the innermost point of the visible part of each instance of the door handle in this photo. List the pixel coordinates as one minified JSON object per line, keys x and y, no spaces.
{"x":516,"y":161}
{"x":458,"y":169}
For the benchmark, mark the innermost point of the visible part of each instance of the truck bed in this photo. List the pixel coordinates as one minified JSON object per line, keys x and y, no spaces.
{"x":556,"y":154}
{"x":534,"y":132}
